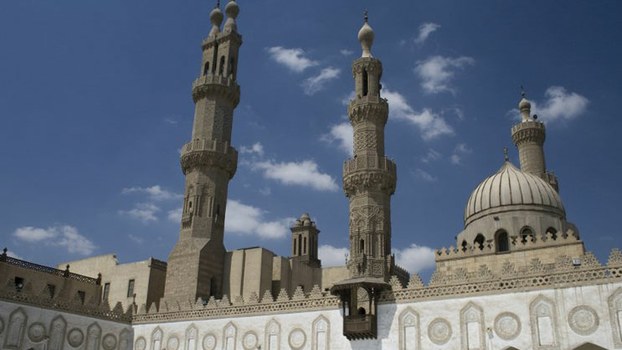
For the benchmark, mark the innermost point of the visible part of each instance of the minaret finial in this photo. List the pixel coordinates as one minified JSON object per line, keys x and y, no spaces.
{"x":524,"y":106}
{"x":505,"y":154}
{"x":217,"y":3}
{"x":365,"y":16}
{"x":522,"y":91}
{"x":366,"y":37}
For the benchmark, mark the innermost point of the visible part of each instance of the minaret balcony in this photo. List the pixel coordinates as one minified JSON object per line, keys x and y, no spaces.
{"x":528,"y":131}
{"x":367,"y":163}
{"x":211,"y":85}
{"x":211,"y":153}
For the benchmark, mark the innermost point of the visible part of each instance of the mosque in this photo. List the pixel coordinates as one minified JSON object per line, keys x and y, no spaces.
{"x":517,"y":277}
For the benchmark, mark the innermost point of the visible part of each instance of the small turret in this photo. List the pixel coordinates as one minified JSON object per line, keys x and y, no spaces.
{"x":305,"y":241}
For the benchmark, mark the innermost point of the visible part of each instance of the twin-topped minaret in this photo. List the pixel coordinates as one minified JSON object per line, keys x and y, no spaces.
{"x":369,"y":178}
{"x":196,"y":263}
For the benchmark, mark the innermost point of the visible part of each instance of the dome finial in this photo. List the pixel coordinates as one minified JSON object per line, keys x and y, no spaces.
{"x":232,"y":9}
{"x":505,"y":154}
{"x":365,"y":16}
{"x":216,"y":18}
{"x":366,"y":37}
{"x":524,"y":106}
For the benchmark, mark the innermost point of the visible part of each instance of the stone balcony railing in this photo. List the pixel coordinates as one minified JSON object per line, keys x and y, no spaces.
{"x":213,"y":79}
{"x":208,"y":145}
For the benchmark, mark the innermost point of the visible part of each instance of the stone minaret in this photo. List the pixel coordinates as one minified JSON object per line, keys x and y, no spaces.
{"x":369,"y":178}
{"x":196,"y":264}
{"x":305,"y":241}
{"x":528,"y":136}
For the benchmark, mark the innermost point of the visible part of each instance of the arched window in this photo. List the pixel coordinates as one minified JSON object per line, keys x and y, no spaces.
{"x":365,"y":82}
{"x":222,"y":65}
{"x":214,"y":58}
{"x":362,"y":245}
{"x":479,"y":241}
{"x":206,"y":68}
{"x":501,"y":241}
{"x":464,"y":246}
{"x":525,"y":234}
{"x":232,"y":66}
{"x":553,"y":233}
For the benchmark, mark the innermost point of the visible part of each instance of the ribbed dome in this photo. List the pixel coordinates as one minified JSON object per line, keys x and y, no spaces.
{"x":511,"y":189}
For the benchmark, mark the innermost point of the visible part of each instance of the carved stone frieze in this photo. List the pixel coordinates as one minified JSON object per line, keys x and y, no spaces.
{"x":214,"y":85}
{"x":368,"y":64}
{"x":376,"y":113}
{"x":36,"y":332}
{"x":207,"y":158}
{"x":528,"y":132}
{"x":369,"y":181}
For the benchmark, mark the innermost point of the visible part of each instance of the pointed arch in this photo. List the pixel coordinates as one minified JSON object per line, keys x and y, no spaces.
{"x":472,"y":327}
{"x":58,"y":328}
{"x":589,"y":346}
{"x":615,"y":314}
{"x":192,"y":334}
{"x":543,"y":318}
{"x":365,"y":82}
{"x":273,"y":335}
{"x":410,"y":331}
{"x":502,"y":242}
{"x":479,"y":241}
{"x":156,"y":339}
{"x":229,"y":336}
{"x":125,"y":339}
{"x":321,"y":333}
{"x":93,"y":336}
{"x":15,"y":330}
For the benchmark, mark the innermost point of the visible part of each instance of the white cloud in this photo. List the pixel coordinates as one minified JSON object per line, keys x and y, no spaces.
{"x":155,"y":192}
{"x":316,"y":83}
{"x":424,"y":32}
{"x":144,"y":212}
{"x":460,"y":151}
{"x":174,"y":215}
{"x":415,"y":258}
{"x":332,"y":256}
{"x":59,"y":236}
{"x":560,"y":105}
{"x":294,"y":59}
{"x":346,"y":52}
{"x":431,"y":125}
{"x":303,"y":173}
{"x":136,"y":239}
{"x":248,"y":220}
{"x":256,"y":148}
{"x":342,"y":134}
{"x":437,"y":72}
{"x":425,"y":176}
{"x":432,"y":155}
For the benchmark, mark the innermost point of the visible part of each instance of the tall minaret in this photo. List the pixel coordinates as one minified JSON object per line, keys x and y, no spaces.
{"x":196,"y":264}
{"x":369,"y":178}
{"x":528,"y":136}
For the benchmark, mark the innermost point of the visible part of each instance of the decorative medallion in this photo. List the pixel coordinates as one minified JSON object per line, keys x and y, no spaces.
{"x":109,"y":341}
{"x":297,"y":338}
{"x":209,"y":342}
{"x":583,"y":320}
{"x":141,"y":343}
{"x":172,"y":344}
{"x":75,"y":337}
{"x":36,"y":332}
{"x":439,"y":331}
{"x":249,"y":341}
{"x":507,"y":325}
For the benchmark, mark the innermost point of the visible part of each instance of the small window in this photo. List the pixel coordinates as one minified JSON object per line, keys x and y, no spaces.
{"x":19,"y":283}
{"x":502,"y":242}
{"x":82,"y":296}
{"x":365,"y":82}
{"x":222,"y":65}
{"x":51,"y":290}
{"x":106,"y":291}
{"x":464,"y":246}
{"x":479,"y":241}
{"x":206,"y":68}
{"x":304,"y":249}
{"x":130,"y":288}
{"x":362,"y":245}
{"x":553,"y":233}
{"x":525,"y":234}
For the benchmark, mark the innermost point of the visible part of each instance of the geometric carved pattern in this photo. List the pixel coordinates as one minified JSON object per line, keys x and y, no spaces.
{"x":172,"y":343}
{"x":93,"y":335}
{"x":583,"y":320}
{"x":209,"y":342}
{"x":75,"y":337}
{"x":439,"y":331}
{"x":249,"y":340}
{"x":36,"y":332}
{"x":507,"y":325}
{"x":109,"y":342}
{"x":615,"y":313}
{"x":297,"y":338}
{"x":472,"y":327}
{"x":409,"y":330}
{"x":58,"y":327}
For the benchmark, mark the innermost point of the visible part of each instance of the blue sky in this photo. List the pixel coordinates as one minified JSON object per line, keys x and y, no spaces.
{"x":95,"y":104}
